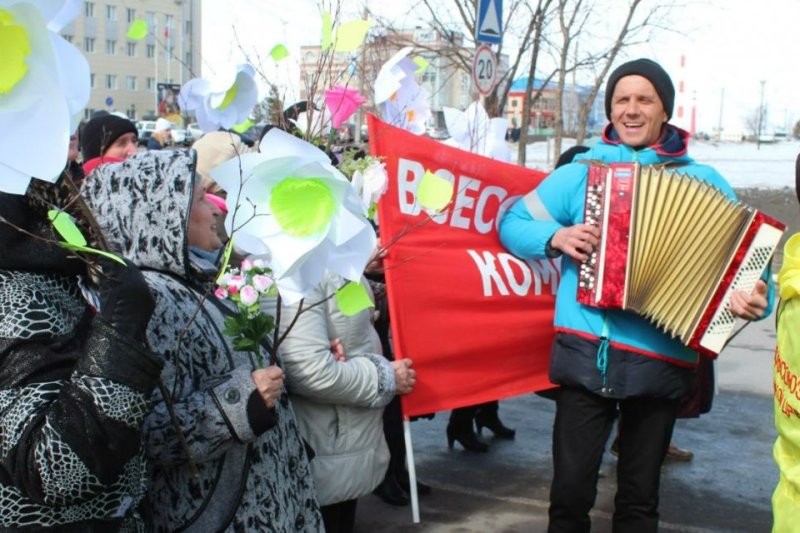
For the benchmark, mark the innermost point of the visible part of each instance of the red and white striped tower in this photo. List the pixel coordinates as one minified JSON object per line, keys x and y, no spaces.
{"x":680,"y":117}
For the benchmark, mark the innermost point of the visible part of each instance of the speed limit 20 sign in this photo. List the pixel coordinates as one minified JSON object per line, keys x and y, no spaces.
{"x":484,"y":70}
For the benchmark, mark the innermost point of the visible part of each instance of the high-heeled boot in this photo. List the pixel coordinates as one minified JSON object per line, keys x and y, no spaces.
{"x":460,"y":429}
{"x":486,"y":417}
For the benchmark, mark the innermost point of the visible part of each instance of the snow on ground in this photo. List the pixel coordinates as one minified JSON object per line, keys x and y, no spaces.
{"x":744,"y":165}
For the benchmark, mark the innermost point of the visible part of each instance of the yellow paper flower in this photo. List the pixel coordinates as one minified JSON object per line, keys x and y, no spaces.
{"x":222,"y":102}
{"x":43,"y":80}
{"x":290,"y":203}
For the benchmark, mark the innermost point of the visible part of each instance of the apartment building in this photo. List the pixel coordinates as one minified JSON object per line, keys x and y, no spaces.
{"x":126,"y":73}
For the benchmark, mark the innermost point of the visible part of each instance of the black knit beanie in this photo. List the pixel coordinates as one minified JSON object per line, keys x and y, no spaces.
{"x":650,"y":70}
{"x":101,"y":132}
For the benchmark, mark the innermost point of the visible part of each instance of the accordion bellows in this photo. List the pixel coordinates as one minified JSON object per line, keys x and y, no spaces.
{"x":673,"y":248}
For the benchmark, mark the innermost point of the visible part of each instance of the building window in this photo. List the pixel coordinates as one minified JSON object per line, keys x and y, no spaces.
{"x":188,"y":61}
{"x":188,"y":28}
{"x":88,"y":44}
{"x":68,"y":38}
{"x":130,"y":83}
{"x":514,"y":103}
{"x":91,"y":80}
{"x":151,"y":84}
{"x":151,"y":51}
{"x":111,"y":12}
{"x":111,"y":81}
{"x":150,"y":18}
{"x":131,"y":14}
{"x":168,"y":21}
{"x":131,"y":49}
{"x":111,"y":47}
{"x":88,"y":9}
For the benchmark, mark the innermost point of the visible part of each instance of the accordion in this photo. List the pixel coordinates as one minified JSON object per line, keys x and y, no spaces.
{"x":672,"y":249}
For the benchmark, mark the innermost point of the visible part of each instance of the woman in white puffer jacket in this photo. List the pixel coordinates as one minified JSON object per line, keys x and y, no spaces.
{"x":339,"y":401}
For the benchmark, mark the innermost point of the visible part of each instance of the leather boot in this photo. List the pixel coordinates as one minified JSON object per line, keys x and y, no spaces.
{"x":486,"y":417}
{"x":460,"y":429}
{"x":391,"y":492}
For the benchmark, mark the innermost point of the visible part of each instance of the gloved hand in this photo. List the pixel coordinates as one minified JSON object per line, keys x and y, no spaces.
{"x":125,"y":300}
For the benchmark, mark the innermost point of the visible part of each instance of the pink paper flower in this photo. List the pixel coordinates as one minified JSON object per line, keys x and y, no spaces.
{"x":248,"y":295}
{"x":342,"y":103}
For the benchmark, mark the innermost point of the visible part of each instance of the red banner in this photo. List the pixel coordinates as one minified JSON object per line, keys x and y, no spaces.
{"x":476,"y":321}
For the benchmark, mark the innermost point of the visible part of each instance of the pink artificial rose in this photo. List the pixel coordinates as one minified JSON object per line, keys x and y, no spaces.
{"x":260,"y":263}
{"x":235,"y":281}
{"x":248,"y":295}
{"x":247,"y":264}
{"x":221,"y":293}
{"x":262,"y":283}
{"x":233,"y":290}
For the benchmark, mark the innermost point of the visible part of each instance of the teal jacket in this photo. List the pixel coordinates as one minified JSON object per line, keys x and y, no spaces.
{"x":558,"y":202}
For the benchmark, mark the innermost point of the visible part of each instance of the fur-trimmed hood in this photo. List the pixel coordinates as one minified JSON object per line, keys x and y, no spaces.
{"x":142,"y":206}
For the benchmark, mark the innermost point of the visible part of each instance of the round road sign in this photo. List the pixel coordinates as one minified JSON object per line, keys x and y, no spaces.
{"x":484,"y":70}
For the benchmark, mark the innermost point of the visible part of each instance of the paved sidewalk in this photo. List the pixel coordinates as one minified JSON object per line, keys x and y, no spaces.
{"x":726,"y":488}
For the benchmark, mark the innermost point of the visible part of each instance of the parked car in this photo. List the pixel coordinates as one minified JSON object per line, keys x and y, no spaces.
{"x":180,"y":137}
{"x":193,"y":132}
{"x":146,"y":129}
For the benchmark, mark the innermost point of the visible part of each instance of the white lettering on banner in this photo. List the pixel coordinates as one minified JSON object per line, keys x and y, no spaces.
{"x":518,"y":277}
{"x":469,"y":210}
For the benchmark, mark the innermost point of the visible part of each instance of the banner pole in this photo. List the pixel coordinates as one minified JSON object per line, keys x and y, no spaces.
{"x":412,"y":472}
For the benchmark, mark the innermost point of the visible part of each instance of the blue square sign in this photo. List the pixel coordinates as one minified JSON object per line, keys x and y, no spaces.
{"x":489,"y":27}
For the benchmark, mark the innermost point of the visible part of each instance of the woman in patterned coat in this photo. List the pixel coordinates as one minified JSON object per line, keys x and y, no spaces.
{"x":235,"y":465}
{"x":74,"y":384}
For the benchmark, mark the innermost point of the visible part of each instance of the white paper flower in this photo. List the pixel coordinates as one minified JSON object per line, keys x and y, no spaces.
{"x":472,"y":130}
{"x":290,"y":201}
{"x":371,"y":183}
{"x":223,"y":101}
{"x":44,"y":80}
{"x":403,"y":102}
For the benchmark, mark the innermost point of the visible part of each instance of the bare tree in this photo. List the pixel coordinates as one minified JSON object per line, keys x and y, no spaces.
{"x":538,"y":22}
{"x":515,"y":12}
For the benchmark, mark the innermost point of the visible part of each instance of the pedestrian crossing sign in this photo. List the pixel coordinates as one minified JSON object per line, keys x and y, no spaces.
{"x":489,"y":23}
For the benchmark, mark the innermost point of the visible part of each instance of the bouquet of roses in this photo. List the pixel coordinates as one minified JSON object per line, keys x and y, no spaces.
{"x":246,"y":286}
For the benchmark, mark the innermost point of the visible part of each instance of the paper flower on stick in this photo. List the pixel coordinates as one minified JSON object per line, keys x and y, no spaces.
{"x":402,"y":101}
{"x":342,"y":102}
{"x":43,"y":80}
{"x":288,"y":201}
{"x":472,"y":130}
{"x":222,"y":102}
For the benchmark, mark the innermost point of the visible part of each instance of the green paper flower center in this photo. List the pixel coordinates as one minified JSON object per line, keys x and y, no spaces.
{"x":16,"y":47}
{"x":229,"y":96}
{"x":302,"y":206}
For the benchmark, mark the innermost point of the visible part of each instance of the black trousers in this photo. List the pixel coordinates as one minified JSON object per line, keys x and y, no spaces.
{"x":582,"y":425}
{"x":339,"y":517}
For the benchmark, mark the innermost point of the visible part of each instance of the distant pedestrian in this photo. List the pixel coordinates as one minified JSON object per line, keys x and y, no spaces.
{"x":107,"y":139}
{"x":161,"y":136}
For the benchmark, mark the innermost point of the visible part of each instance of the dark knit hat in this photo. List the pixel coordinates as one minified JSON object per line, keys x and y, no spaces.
{"x":650,"y":70}
{"x":101,"y":132}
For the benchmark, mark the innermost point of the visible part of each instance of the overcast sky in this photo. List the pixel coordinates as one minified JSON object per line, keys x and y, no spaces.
{"x":730,"y":45}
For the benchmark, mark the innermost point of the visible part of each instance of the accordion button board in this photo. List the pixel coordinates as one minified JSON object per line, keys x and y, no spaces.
{"x":673,"y":249}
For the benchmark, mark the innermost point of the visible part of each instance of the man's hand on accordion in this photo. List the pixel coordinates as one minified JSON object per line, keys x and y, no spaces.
{"x":750,"y":306}
{"x":576,"y":241}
